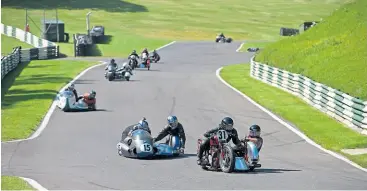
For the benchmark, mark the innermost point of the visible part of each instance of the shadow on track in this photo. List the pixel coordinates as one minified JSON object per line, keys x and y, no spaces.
{"x":122,"y":80}
{"x":267,"y":171}
{"x":163,"y":157}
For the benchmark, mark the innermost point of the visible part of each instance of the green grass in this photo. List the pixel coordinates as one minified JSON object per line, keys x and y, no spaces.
{"x":14,"y":183}
{"x":26,"y":98}
{"x":333,"y":53}
{"x":139,"y":23}
{"x":8,"y":43}
{"x":250,"y":44}
{"x":316,"y":125}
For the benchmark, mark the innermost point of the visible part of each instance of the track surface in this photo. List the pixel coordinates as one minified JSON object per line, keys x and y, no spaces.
{"x":78,"y":150}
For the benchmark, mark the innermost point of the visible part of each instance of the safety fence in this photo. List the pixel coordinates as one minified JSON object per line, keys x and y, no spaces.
{"x":343,"y":107}
{"x":43,"y":50}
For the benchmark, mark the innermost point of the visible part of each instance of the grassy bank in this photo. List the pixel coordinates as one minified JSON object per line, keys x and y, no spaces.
{"x":25,"y":99}
{"x":322,"y":129}
{"x":251,"y":44}
{"x":135,"y":24}
{"x":333,"y":52}
{"x":8,"y":43}
{"x":14,"y":183}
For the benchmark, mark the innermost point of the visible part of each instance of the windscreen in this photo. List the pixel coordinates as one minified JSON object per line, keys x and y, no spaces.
{"x":141,"y":135}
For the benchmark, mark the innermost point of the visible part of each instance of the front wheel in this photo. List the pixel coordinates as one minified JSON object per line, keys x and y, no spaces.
{"x":226,"y":159}
{"x":127,"y":78}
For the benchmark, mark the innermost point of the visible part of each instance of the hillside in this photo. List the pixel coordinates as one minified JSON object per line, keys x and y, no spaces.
{"x":134,"y":24}
{"x":333,"y":52}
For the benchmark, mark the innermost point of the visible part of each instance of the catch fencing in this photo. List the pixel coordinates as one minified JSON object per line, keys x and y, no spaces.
{"x":343,"y":107}
{"x":43,"y":50}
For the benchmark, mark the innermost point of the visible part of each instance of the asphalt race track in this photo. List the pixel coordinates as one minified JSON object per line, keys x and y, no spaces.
{"x":78,"y":150}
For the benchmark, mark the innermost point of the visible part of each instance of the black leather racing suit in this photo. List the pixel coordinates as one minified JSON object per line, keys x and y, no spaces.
{"x":221,"y":36}
{"x":146,"y":51}
{"x":75,"y":93}
{"x":179,"y":131}
{"x":232,"y":134}
{"x":134,"y":55}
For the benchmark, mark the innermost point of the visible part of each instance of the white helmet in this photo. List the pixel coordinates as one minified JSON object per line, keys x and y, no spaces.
{"x":71,"y":87}
{"x":144,"y":124}
{"x":124,"y":65}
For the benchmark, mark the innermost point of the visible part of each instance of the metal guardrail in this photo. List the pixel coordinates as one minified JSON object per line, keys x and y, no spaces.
{"x":43,"y":49}
{"x":343,"y":107}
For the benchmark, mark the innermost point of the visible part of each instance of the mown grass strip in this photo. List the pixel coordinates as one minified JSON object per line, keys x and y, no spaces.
{"x":28,"y":91}
{"x":14,"y":183}
{"x":324,"y":130}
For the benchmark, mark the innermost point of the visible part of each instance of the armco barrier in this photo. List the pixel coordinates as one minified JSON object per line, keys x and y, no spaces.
{"x":10,"y":62}
{"x":345,"y":108}
{"x":43,"y":49}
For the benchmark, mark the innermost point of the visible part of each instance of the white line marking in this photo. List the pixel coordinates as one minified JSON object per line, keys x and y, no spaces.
{"x":34,"y":184}
{"x":239,"y":48}
{"x":300,"y":134}
{"x":164,"y":46}
{"x":46,"y":119}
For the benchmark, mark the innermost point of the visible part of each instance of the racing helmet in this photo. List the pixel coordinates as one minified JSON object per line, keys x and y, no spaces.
{"x":134,"y":51}
{"x":154,"y":51}
{"x":145,"y":49}
{"x":112,"y":61}
{"x":172,"y":121}
{"x":92,"y":94}
{"x":71,"y":87}
{"x":254,"y":131}
{"x":227,"y":123}
{"x":143,"y":124}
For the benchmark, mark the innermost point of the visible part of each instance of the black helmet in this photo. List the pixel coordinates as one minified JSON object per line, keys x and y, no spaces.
{"x":227,"y":123}
{"x":254,"y":131}
{"x":112,"y":60}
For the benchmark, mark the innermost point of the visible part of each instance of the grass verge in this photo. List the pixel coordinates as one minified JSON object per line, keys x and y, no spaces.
{"x":8,"y":43}
{"x":324,"y":130}
{"x":333,"y":52}
{"x":14,"y":183}
{"x":134,"y":23}
{"x":28,"y":92}
{"x":250,"y":44}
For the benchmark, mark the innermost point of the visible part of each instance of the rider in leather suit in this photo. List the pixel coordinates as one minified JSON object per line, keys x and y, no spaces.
{"x":227,"y":125}
{"x":89,"y":98}
{"x":172,"y":128}
{"x":142,"y":124}
{"x":71,"y":87}
{"x":134,"y":53}
{"x":255,"y":136}
{"x":221,"y":35}
{"x":146,"y":51}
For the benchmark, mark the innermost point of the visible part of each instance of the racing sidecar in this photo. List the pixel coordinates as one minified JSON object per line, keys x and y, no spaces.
{"x":223,"y":39}
{"x":66,"y":101}
{"x":146,"y":62}
{"x":140,"y":145}
{"x":223,"y":157}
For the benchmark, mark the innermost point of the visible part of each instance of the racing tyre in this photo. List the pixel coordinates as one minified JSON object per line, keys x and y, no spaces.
{"x":110,"y":77}
{"x":216,"y":40}
{"x":127,"y":78}
{"x":227,"y":162}
{"x":252,"y":168}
